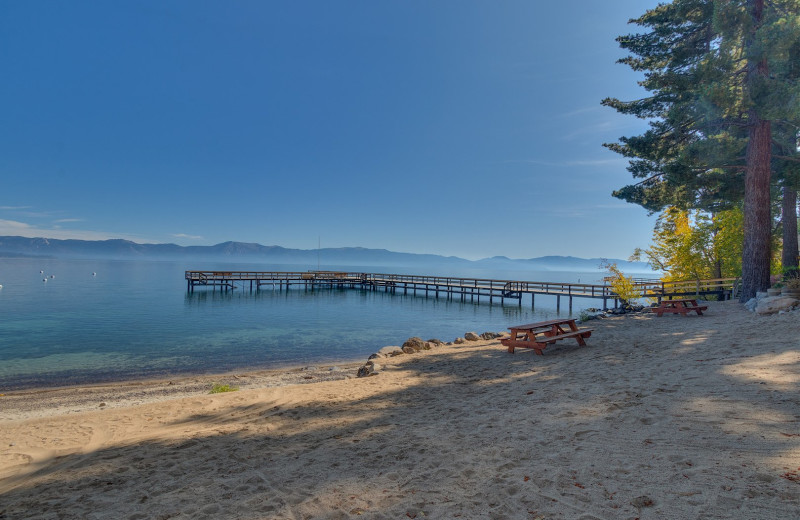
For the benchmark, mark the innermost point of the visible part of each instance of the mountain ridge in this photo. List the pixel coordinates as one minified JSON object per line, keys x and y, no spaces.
{"x":251,"y":251}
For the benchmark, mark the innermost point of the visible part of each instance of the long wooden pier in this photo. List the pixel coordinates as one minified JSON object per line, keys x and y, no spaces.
{"x":493,"y":291}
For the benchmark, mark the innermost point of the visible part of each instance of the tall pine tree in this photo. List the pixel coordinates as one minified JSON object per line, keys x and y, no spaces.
{"x":718,"y":77}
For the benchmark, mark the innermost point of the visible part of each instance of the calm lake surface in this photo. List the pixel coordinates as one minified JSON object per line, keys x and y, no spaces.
{"x":135,"y":319}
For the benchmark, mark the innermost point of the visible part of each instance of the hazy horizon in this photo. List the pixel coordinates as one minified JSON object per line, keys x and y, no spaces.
{"x":467,"y":128}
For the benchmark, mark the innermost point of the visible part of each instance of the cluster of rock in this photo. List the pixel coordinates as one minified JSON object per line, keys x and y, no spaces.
{"x":414,"y":345}
{"x":596,"y":314}
{"x":765,"y":304}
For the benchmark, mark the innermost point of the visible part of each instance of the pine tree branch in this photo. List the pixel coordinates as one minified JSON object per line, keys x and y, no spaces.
{"x":652,"y":177}
{"x":792,"y":158}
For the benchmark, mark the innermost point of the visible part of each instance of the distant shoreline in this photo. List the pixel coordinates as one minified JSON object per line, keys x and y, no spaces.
{"x":244,"y":252}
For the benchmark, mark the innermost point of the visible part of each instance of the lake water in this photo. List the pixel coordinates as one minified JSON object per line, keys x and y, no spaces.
{"x":135,"y":319}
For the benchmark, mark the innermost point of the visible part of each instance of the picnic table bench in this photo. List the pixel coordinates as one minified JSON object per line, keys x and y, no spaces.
{"x":683,"y":307}
{"x":538,"y":336}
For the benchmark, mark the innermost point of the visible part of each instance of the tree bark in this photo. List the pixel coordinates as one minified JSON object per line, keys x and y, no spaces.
{"x":757,"y":220}
{"x":789,"y":220}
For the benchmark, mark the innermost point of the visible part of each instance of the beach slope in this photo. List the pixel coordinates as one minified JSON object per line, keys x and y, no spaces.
{"x":673,"y":417}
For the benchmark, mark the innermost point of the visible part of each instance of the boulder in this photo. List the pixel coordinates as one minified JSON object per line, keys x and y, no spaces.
{"x":751,"y":304}
{"x":390,"y":351}
{"x":471,"y":336}
{"x":459,"y":341}
{"x":370,"y":368}
{"x":436,"y":342}
{"x":775,"y":304}
{"x":491,"y":335}
{"x":414,"y":344}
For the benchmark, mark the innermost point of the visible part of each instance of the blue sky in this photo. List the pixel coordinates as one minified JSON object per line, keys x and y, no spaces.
{"x":468,"y":128}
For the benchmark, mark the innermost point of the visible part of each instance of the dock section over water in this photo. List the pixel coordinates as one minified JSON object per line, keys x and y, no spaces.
{"x":472,"y":289}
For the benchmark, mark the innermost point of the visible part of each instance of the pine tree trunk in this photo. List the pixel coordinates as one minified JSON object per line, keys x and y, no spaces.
{"x":789,"y":219}
{"x":757,"y":220}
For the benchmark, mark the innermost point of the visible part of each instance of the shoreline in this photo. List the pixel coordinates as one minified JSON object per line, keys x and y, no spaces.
{"x":678,"y":417}
{"x":47,"y":401}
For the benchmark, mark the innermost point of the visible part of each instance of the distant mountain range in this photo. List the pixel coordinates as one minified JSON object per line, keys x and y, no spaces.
{"x":256,"y":253}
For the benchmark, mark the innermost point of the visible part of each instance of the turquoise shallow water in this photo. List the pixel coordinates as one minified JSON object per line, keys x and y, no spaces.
{"x":100,"y":320}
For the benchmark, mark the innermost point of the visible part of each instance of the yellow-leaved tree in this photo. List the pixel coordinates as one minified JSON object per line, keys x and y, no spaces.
{"x":691,"y":245}
{"x":623,"y":286}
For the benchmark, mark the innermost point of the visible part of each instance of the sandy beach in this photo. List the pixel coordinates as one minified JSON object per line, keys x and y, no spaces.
{"x":675,"y":417}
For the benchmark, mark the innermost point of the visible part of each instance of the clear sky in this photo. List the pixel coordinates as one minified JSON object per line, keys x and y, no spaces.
{"x":459,"y":127}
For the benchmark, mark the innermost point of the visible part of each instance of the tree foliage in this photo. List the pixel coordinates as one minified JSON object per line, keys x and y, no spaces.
{"x":720,"y":76}
{"x":622,"y":285}
{"x":696,"y":245}
{"x":693,"y":244}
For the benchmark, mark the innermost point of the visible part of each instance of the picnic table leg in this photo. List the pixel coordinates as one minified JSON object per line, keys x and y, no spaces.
{"x":573,"y":327}
{"x":513,"y":338}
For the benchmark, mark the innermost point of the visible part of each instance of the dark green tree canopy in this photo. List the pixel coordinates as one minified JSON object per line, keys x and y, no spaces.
{"x":694,"y":65}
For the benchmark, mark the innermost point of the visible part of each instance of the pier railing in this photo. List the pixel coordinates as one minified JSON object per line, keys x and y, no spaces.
{"x":722,"y":288}
{"x":658,"y":289}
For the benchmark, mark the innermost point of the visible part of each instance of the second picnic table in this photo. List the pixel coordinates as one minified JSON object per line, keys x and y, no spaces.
{"x":538,"y":336}
{"x":683,"y":307}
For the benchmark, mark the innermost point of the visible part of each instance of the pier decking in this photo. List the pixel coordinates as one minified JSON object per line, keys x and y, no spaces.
{"x":472,"y":289}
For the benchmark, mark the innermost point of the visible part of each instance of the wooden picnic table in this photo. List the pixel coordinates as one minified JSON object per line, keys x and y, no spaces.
{"x":538,"y":336}
{"x":683,"y":307}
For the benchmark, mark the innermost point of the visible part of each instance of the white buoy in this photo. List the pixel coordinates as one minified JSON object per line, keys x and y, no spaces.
{"x":94,"y":274}
{"x":40,"y":271}
{"x":52,"y":276}
{"x":44,"y":279}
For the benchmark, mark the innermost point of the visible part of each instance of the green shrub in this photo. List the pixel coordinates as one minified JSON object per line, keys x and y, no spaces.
{"x":217,"y":388}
